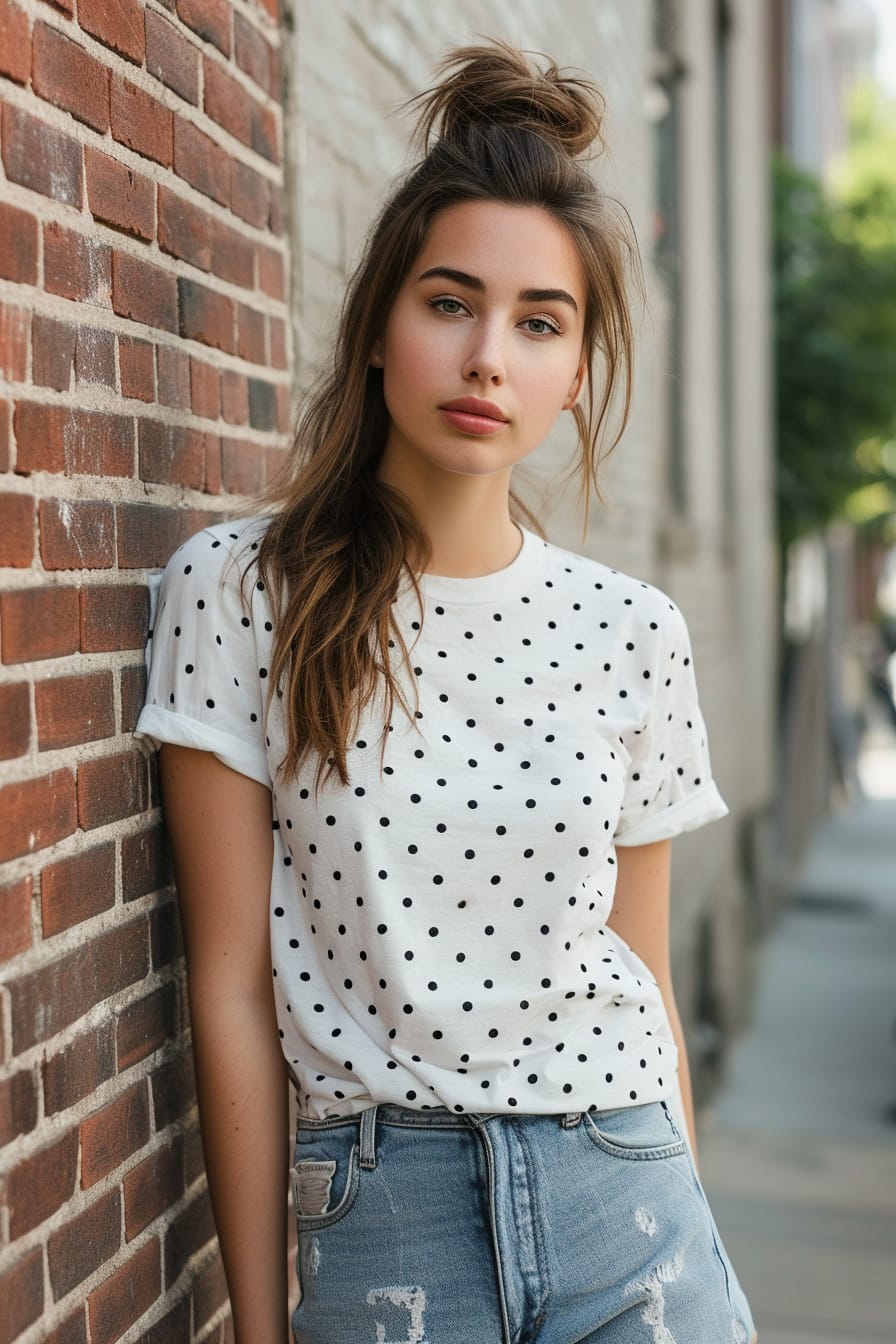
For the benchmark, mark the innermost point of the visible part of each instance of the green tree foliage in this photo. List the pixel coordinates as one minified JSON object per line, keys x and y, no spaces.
{"x":835,"y":308}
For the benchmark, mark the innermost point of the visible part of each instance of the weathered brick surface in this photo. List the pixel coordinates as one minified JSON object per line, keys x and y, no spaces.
{"x":139,"y":158}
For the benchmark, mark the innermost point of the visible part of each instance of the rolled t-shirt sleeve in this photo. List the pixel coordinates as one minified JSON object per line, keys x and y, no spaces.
{"x":206,"y":653}
{"x":669,"y":786}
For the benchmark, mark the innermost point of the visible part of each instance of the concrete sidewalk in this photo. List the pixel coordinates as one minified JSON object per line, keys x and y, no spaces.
{"x":798,"y":1150}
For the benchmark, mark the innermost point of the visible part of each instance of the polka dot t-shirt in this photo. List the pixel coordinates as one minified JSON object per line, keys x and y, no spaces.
{"x":438,"y":931}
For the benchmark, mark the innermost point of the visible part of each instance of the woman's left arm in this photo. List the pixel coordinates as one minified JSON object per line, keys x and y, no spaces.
{"x":640,"y":916}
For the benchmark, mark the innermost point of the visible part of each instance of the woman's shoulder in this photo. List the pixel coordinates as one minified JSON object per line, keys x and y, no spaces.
{"x":603,"y":583}
{"x":218,"y":552}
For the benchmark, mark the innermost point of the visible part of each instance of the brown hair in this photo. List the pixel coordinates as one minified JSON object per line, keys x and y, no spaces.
{"x":495,"y":128}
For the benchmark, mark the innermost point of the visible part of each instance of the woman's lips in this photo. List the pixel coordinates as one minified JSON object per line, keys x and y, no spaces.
{"x":472,"y":416}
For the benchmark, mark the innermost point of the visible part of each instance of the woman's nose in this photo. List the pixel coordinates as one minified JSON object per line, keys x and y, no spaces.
{"x":485,"y":362}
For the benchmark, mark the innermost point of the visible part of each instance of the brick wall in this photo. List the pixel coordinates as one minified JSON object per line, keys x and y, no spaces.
{"x":145,"y":368}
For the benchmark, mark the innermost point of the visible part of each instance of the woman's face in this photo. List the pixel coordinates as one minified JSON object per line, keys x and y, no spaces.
{"x":482,"y":349}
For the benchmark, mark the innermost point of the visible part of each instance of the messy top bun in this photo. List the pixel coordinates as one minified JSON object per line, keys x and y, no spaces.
{"x":495,"y":128}
{"x":497,"y":85}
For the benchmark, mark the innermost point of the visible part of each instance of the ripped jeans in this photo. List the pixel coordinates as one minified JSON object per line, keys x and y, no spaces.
{"x":429,"y":1227}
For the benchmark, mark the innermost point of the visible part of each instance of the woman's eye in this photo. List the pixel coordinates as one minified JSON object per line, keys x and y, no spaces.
{"x":449,"y":306}
{"x":542,"y":326}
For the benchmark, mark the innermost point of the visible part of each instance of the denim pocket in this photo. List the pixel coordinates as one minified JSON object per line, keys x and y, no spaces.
{"x":640,"y":1133}
{"x":325,"y":1175}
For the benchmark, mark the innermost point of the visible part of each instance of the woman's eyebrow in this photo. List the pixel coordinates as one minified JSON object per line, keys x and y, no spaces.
{"x":474,"y":282}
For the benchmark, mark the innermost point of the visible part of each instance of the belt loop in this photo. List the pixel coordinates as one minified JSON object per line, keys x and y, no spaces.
{"x":571,"y":1119}
{"x":368,"y":1132}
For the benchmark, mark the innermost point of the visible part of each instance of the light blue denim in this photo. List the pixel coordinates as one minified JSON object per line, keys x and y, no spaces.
{"x":429,"y":1227}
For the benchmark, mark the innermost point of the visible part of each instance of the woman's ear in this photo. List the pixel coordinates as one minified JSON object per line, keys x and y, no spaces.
{"x":575,"y":387}
{"x":376,"y":354}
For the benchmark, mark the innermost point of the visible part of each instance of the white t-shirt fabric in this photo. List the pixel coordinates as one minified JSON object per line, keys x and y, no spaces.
{"x":438,"y":930}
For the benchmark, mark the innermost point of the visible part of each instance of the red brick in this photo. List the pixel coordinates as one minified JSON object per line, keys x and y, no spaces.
{"x":72,"y":1331}
{"x":84,"y":1243}
{"x":41,"y":1184}
{"x":133,"y":693}
{"x":205,"y":389}
{"x":75,"y":709}
{"x":76,"y":534}
{"x":18,"y":245}
{"x":201,"y":162}
{"x":69,"y":77}
{"x":189,"y":1231}
{"x":83,"y":1066}
{"x":75,"y":266}
{"x":194,"y":1157}
{"x":253,"y":54}
{"x":209,"y":19}
{"x":227,"y":102}
{"x":173,"y":378}
{"x":137,"y":364}
{"x":111,"y":787}
{"x":95,"y":357}
{"x":146,"y":1025}
{"x":184,"y":230}
{"x":38,"y":623}
{"x":250,"y":195}
{"x":233,"y":256}
{"x":151,"y":1188}
{"x":123,"y":1298}
{"x":282,"y":396}
{"x":114,"y":617}
{"x":148,"y":533}
{"x":77,"y":888}
{"x":173,"y":1090}
{"x":234,"y":397}
{"x":67,"y":7}
{"x":15,"y":42}
{"x":79,"y":1069}
{"x":212,"y":465}
{"x":112,"y":1135}
{"x":206,"y":315}
{"x":15,"y":917}
{"x":172,"y":454}
{"x":275,"y":213}
{"x":18,"y":1106}
{"x":145,"y":863}
{"x":15,"y":334}
{"x":277,"y":336}
{"x":22,"y":1293}
{"x":5,"y":436}
{"x":143,"y":292}
{"x":250,"y":340}
{"x":242,"y":467}
{"x":36,"y":813}
{"x":271,"y":272}
{"x":49,"y":999}
{"x":119,"y":26}
{"x":15,"y":722}
{"x":276,"y":460}
{"x":174,"y":1325}
{"x":265,"y":139}
{"x":141,"y":122}
{"x":41,"y":158}
{"x":209,"y":1292}
{"x":172,"y":58}
{"x":74,"y":441}
{"x":118,"y":195}
{"x":16,"y":530}
{"x":166,"y":943}
{"x":262,"y":404}
{"x":53,"y":352}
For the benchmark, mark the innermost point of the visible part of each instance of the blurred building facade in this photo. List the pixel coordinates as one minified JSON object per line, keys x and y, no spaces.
{"x":690,"y":486}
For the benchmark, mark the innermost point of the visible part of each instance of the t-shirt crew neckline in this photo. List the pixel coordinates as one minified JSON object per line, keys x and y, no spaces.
{"x":487,"y":587}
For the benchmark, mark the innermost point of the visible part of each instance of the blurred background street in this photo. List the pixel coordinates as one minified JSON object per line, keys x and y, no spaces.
{"x":797,"y":1149}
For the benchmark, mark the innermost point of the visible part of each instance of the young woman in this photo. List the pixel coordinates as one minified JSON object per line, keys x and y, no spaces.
{"x":474,"y":748}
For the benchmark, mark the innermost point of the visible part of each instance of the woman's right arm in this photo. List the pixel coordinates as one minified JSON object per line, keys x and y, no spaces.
{"x":219,"y":825}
